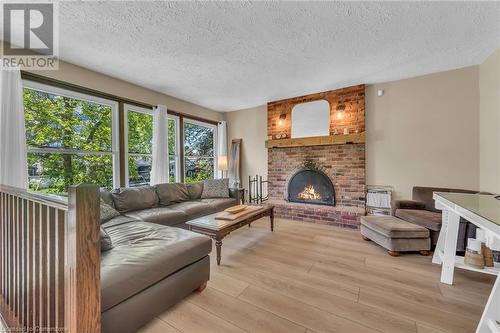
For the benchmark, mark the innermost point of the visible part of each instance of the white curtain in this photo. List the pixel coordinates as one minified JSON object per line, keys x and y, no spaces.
{"x":222,"y":147}
{"x":159,"y":169}
{"x":13,"y":164}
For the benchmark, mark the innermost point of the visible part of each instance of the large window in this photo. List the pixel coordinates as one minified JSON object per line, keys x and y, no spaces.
{"x":74,"y":138}
{"x":199,"y":150}
{"x":140,"y":146}
{"x":71,"y":139}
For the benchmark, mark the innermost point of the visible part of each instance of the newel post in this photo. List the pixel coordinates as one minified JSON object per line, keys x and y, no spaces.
{"x":83,"y":261}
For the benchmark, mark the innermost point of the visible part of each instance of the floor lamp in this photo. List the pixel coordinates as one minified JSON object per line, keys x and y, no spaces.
{"x":222,"y":164}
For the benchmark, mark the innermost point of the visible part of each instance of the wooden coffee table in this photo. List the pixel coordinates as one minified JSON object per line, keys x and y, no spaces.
{"x":218,"y":229}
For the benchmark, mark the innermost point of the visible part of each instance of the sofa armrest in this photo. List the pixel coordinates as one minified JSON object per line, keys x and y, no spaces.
{"x":407,"y":204}
{"x":238,"y":194}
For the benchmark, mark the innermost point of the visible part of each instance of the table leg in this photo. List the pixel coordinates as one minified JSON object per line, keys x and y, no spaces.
{"x":491,"y":311}
{"x":271,"y":217}
{"x":450,"y":247}
{"x":439,"y":250}
{"x":218,"y":245}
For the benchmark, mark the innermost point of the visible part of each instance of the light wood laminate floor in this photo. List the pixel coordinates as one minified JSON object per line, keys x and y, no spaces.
{"x":315,"y":278}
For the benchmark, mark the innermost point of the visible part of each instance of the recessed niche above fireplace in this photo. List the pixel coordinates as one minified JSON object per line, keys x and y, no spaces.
{"x":312,"y":187}
{"x":311,"y":119}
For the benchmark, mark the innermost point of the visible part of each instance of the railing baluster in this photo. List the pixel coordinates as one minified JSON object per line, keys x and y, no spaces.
{"x":2,"y":244}
{"x":18,"y":258}
{"x":10,"y":255}
{"x":36,"y":304}
{"x":60,"y":260}
{"x":30,"y":261}
{"x":50,"y":259}
{"x":40,"y":265}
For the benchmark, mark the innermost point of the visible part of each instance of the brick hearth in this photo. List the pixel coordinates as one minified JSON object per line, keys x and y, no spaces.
{"x":344,"y":164}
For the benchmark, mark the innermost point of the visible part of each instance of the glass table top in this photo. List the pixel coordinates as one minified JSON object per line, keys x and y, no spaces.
{"x":484,"y":205}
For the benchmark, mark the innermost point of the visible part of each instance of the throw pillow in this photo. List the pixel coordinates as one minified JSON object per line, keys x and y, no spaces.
{"x":106,"y":197}
{"x":106,"y":243}
{"x":107,"y":212}
{"x":215,"y":188}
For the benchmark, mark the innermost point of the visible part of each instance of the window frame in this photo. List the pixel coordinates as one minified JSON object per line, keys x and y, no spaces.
{"x":115,"y":128}
{"x":176,"y":155}
{"x":187,"y":120}
{"x":133,"y":108}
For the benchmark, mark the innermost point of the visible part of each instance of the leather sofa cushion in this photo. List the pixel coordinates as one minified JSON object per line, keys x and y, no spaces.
{"x":392,"y":227}
{"x":118,"y":220}
{"x":159,"y":215}
{"x":195,"y":190}
{"x":424,"y":218}
{"x":219,"y":204}
{"x":193,"y":209}
{"x":134,"y":198}
{"x":170,"y":193}
{"x":143,"y":254}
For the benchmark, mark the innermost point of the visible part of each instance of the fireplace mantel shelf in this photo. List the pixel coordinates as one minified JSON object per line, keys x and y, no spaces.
{"x":317,"y":141}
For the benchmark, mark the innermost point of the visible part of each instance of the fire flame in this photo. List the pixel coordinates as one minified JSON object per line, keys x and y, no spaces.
{"x":309,"y":193}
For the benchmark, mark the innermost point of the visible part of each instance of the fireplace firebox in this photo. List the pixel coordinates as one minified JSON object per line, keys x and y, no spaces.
{"x":312,"y":187}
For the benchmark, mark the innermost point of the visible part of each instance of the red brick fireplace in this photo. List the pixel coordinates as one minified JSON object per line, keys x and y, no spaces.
{"x":339,"y":156}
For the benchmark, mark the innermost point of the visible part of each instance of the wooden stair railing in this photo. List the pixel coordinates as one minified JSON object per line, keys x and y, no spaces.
{"x":50,"y":261}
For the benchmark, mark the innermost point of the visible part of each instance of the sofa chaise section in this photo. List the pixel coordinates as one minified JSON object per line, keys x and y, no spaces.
{"x":422,"y":211}
{"x":149,"y":269}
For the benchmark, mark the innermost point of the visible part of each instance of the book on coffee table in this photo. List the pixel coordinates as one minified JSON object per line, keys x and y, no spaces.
{"x":231,"y":217}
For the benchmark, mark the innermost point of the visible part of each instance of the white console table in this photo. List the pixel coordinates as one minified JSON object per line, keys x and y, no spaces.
{"x":483,"y":211}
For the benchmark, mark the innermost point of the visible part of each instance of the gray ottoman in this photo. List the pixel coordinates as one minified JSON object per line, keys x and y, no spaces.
{"x":395,"y":235}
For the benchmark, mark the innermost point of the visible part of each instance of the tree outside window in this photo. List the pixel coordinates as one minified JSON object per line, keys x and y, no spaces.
{"x":199,"y":151}
{"x":69,"y":141}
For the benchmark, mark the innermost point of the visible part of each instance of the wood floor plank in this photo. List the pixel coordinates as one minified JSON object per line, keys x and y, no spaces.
{"x":301,"y":313}
{"x":340,"y":306}
{"x":425,"y":329}
{"x":331,"y":286}
{"x":190,"y":318}
{"x":158,"y":326}
{"x":465,"y":296}
{"x":226,"y":284}
{"x":360,"y":277}
{"x":245,"y":315}
{"x":286,"y":284}
{"x":427,"y":315}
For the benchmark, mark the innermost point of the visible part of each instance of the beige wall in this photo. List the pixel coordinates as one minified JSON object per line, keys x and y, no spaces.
{"x":489,"y":115}
{"x":423,"y":131}
{"x":251,"y":126}
{"x":84,"y":77}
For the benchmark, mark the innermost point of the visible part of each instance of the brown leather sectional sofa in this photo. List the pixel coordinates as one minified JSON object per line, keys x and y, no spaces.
{"x":154,"y":262}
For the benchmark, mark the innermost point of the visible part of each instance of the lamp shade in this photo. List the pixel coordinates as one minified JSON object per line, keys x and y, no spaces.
{"x":222,"y":162}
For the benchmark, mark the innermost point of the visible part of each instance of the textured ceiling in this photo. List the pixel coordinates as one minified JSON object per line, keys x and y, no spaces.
{"x":233,"y":55}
